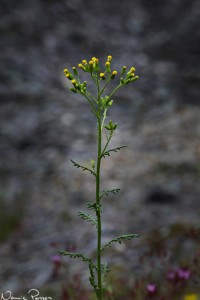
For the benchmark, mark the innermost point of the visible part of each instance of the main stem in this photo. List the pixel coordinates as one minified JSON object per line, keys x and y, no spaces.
{"x":98,"y":208}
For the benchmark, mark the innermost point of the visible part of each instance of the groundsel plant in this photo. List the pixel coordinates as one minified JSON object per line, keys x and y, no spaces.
{"x":99,"y":105}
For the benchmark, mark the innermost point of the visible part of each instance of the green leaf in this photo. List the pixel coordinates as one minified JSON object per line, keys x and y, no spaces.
{"x":91,"y":206}
{"x":82,"y":167}
{"x":92,"y":276}
{"x":107,"y":192}
{"x":107,"y":153}
{"x":91,"y":265}
{"x":87,"y":218}
{"x":77,"y":255}
{"x":120,"y":238}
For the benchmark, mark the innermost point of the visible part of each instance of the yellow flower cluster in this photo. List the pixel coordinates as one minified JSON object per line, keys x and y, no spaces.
{"x":92,"y":66}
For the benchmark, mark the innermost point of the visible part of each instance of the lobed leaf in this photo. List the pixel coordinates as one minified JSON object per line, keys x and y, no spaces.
{"x":107,"y":153}
{"x":92,"y":276}
{"x":87,"y":218}
{"x":82,"y":167}
{"x":107,"y":192}
{"x":120,"y":238}
{"x":91,"y":206}
{"x":78,"y":255}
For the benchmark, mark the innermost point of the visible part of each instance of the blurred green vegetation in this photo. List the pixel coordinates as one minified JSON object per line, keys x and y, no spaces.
{"x":11,"y":216}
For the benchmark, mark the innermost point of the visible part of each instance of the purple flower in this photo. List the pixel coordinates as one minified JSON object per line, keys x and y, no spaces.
{"x":178,"y":274}
{"x":151,"y":289}
{"x":183,"y":274}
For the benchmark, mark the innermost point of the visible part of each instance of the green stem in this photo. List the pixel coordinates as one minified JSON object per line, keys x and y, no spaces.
{"x":115,"y":90}
{"x":106,"y":145}
{"x":104,"y":87}
{"x":104,"y":117}
{"x":92,"y":105}
{"x":98,"y":208}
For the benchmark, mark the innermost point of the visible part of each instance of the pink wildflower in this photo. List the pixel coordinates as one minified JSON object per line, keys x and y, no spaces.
{"x":151,"y":289}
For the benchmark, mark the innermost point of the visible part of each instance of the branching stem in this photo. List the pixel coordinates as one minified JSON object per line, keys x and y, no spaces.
{"x":98,"y":209}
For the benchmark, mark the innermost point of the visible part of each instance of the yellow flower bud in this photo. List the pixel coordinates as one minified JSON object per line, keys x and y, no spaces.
{"x":94,"y":58}
{"x":84,"y":62}
{"x":109,"y":58}
{"x":65,"y":71}
{"x":82,"y":67}
{"x":91,"y":65}
{"x":102,"y":75}
{"x":107,"y":64}
{"x":69,"y":75}
{"x":132,"y":69}
{"x":132,"y":75}
{"x":74,"y":82}
{"x":113,"y":74}
{"x":123,"y":70}
{"x":75,"y":70}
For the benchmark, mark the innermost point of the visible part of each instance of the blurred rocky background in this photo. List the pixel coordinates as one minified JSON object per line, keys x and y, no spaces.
{"x":43,"y":125}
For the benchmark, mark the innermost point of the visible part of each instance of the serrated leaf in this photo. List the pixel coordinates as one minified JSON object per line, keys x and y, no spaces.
{"x":82,"y":167}
{"x":120,"y":238}
{"x":87,"y":218}
{"x":107,"y":153}
{"x":107,"y":192}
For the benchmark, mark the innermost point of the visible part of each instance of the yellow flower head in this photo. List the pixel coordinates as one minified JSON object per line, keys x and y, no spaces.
{"x":80,"y":65}
{"x":132,"y":74}
{"x":132,"y":70}
{"x":109,"y":58}
{"x":91,"y":62}
{"x":73,"y":81}
{"x":94,"y":58}
{"x":107,"y":64}
{"x":65,"y":71}
{"x":113,"y":74}
{"x":102,"y":75}
{"x":84,"y":62}
{"x":75,"y":70}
